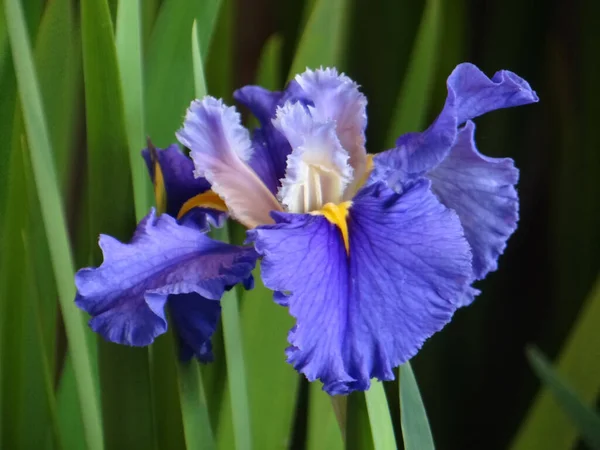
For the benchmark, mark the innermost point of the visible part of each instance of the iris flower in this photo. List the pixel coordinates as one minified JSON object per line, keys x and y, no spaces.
{"x":371,"y":254}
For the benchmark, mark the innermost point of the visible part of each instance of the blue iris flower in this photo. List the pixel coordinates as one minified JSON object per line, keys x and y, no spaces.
{"x":371,"y":254}
{"x":168,"y":263}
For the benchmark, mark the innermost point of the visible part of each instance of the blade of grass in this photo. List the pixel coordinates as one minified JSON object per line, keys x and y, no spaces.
{"x":58,"y":62}
{"x":44,"y":356}
{"x":196,"y":422}
{"x":236,"y":371}
{"x":415,"y":93}
{"x":124,"y":371}
{"x":545,"y":425}
{"x":194,"y":409}
{"x":382,"y":428}
{"x":53,"y":217}
{"x":13,"y":285}
{"x":129,"y":57}
{"x":585,"y":420}
{"x":169,"y":83}
{"x":323,"y":36}
{"x":359,"y":435}
{"x":274,"y":384}
{"x":323,"y":427}
{"x":415,"y":426}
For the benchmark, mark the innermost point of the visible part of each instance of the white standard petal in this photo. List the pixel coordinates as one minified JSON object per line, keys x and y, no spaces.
{"x":317,"y":169}
{"x":220,"y":148}
{"x":336,"y":97}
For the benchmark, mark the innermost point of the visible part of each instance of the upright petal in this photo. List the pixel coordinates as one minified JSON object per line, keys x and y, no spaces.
{"x":470,"y":94}
{"x":361,"y":313}
{"x":336,"y":97}
{"x":220,"y":148}
{"x":126,"y":295}
{"x":270,"y":147}
{"x":481,"y":191}
{"x":317,"y":169}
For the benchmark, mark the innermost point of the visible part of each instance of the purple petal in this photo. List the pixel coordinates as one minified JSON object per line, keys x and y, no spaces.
{"x":481,"y":191}
{"x":178,"y":175}
{"x":195,"y":318}
{"x":126,"y":295}
{"x":270,"y":147}
{"x":220,"y":148}
{"x":358,"y":315}
{"x":470,"y":94}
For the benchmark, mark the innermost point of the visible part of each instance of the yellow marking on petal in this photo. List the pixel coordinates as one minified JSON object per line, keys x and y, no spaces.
{"x":160,"y":192}
{"x":337,"y":215}
{"x":207,"y":199}
{"x":368,"y":169}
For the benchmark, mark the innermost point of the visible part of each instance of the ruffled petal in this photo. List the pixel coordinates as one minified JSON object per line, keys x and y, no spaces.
{"x":195,"y":318}
{"x":126,"y":295}
{"x":470,"y":94}
{"x":317,"y":169}
{"x":220,"y":148}
{"x":361,"y":313}
{"x":481,"y":191}
{"x":180,"y":184}
{"x":270,"y":147}
{"x":336,"y":97}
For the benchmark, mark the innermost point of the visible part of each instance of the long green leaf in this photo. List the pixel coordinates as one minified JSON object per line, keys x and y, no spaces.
{"x":415,"y":94}
{"x":545,"y":425}
{"x":58,"y":62}
{"x":379,"y":417}
{"x":273,"y":384}
{"x":236,"y":369}
{"x":196,"y":421}
{"x":124,"y":371}
{"x":322,"y":40}
{"x":129,"y":56}
{"x":323,"y":428}
{"x":416,"y":432}
{"x":169,"y":78}
{"x":585,"y":420}
{"x":53,"y":217}
{"x":194,"y":409}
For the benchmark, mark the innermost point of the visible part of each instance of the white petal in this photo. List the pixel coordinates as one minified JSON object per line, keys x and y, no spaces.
{"x":220,"y":148}
{"x":336,"y":97}
{"x":317,"y":169}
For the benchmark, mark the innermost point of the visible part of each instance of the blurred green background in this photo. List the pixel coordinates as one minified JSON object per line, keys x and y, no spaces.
{"x":111,"y":72}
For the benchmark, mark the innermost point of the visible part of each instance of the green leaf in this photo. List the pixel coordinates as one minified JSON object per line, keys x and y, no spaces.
{"x":382,"y":428}
{"x":415,"y":426}
{"x":169,"y":84}
{"x":58,"y":62}
{"x":236,"y":369}
{"x":196,"y":421}
{"x":53,"y":216}
{"x":545,"y":425}
{"x":129,"y":57}
{"x":323,"y":36}
{"x":194,"y":409}
{"x":585,"y":419}
{"x":415,"y":93}
{"x":199,"y":81}
{"x":124,"y":371}
{"x":359,"y":435}
{"x":323,"y":428}
{"x":274,"y":384}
